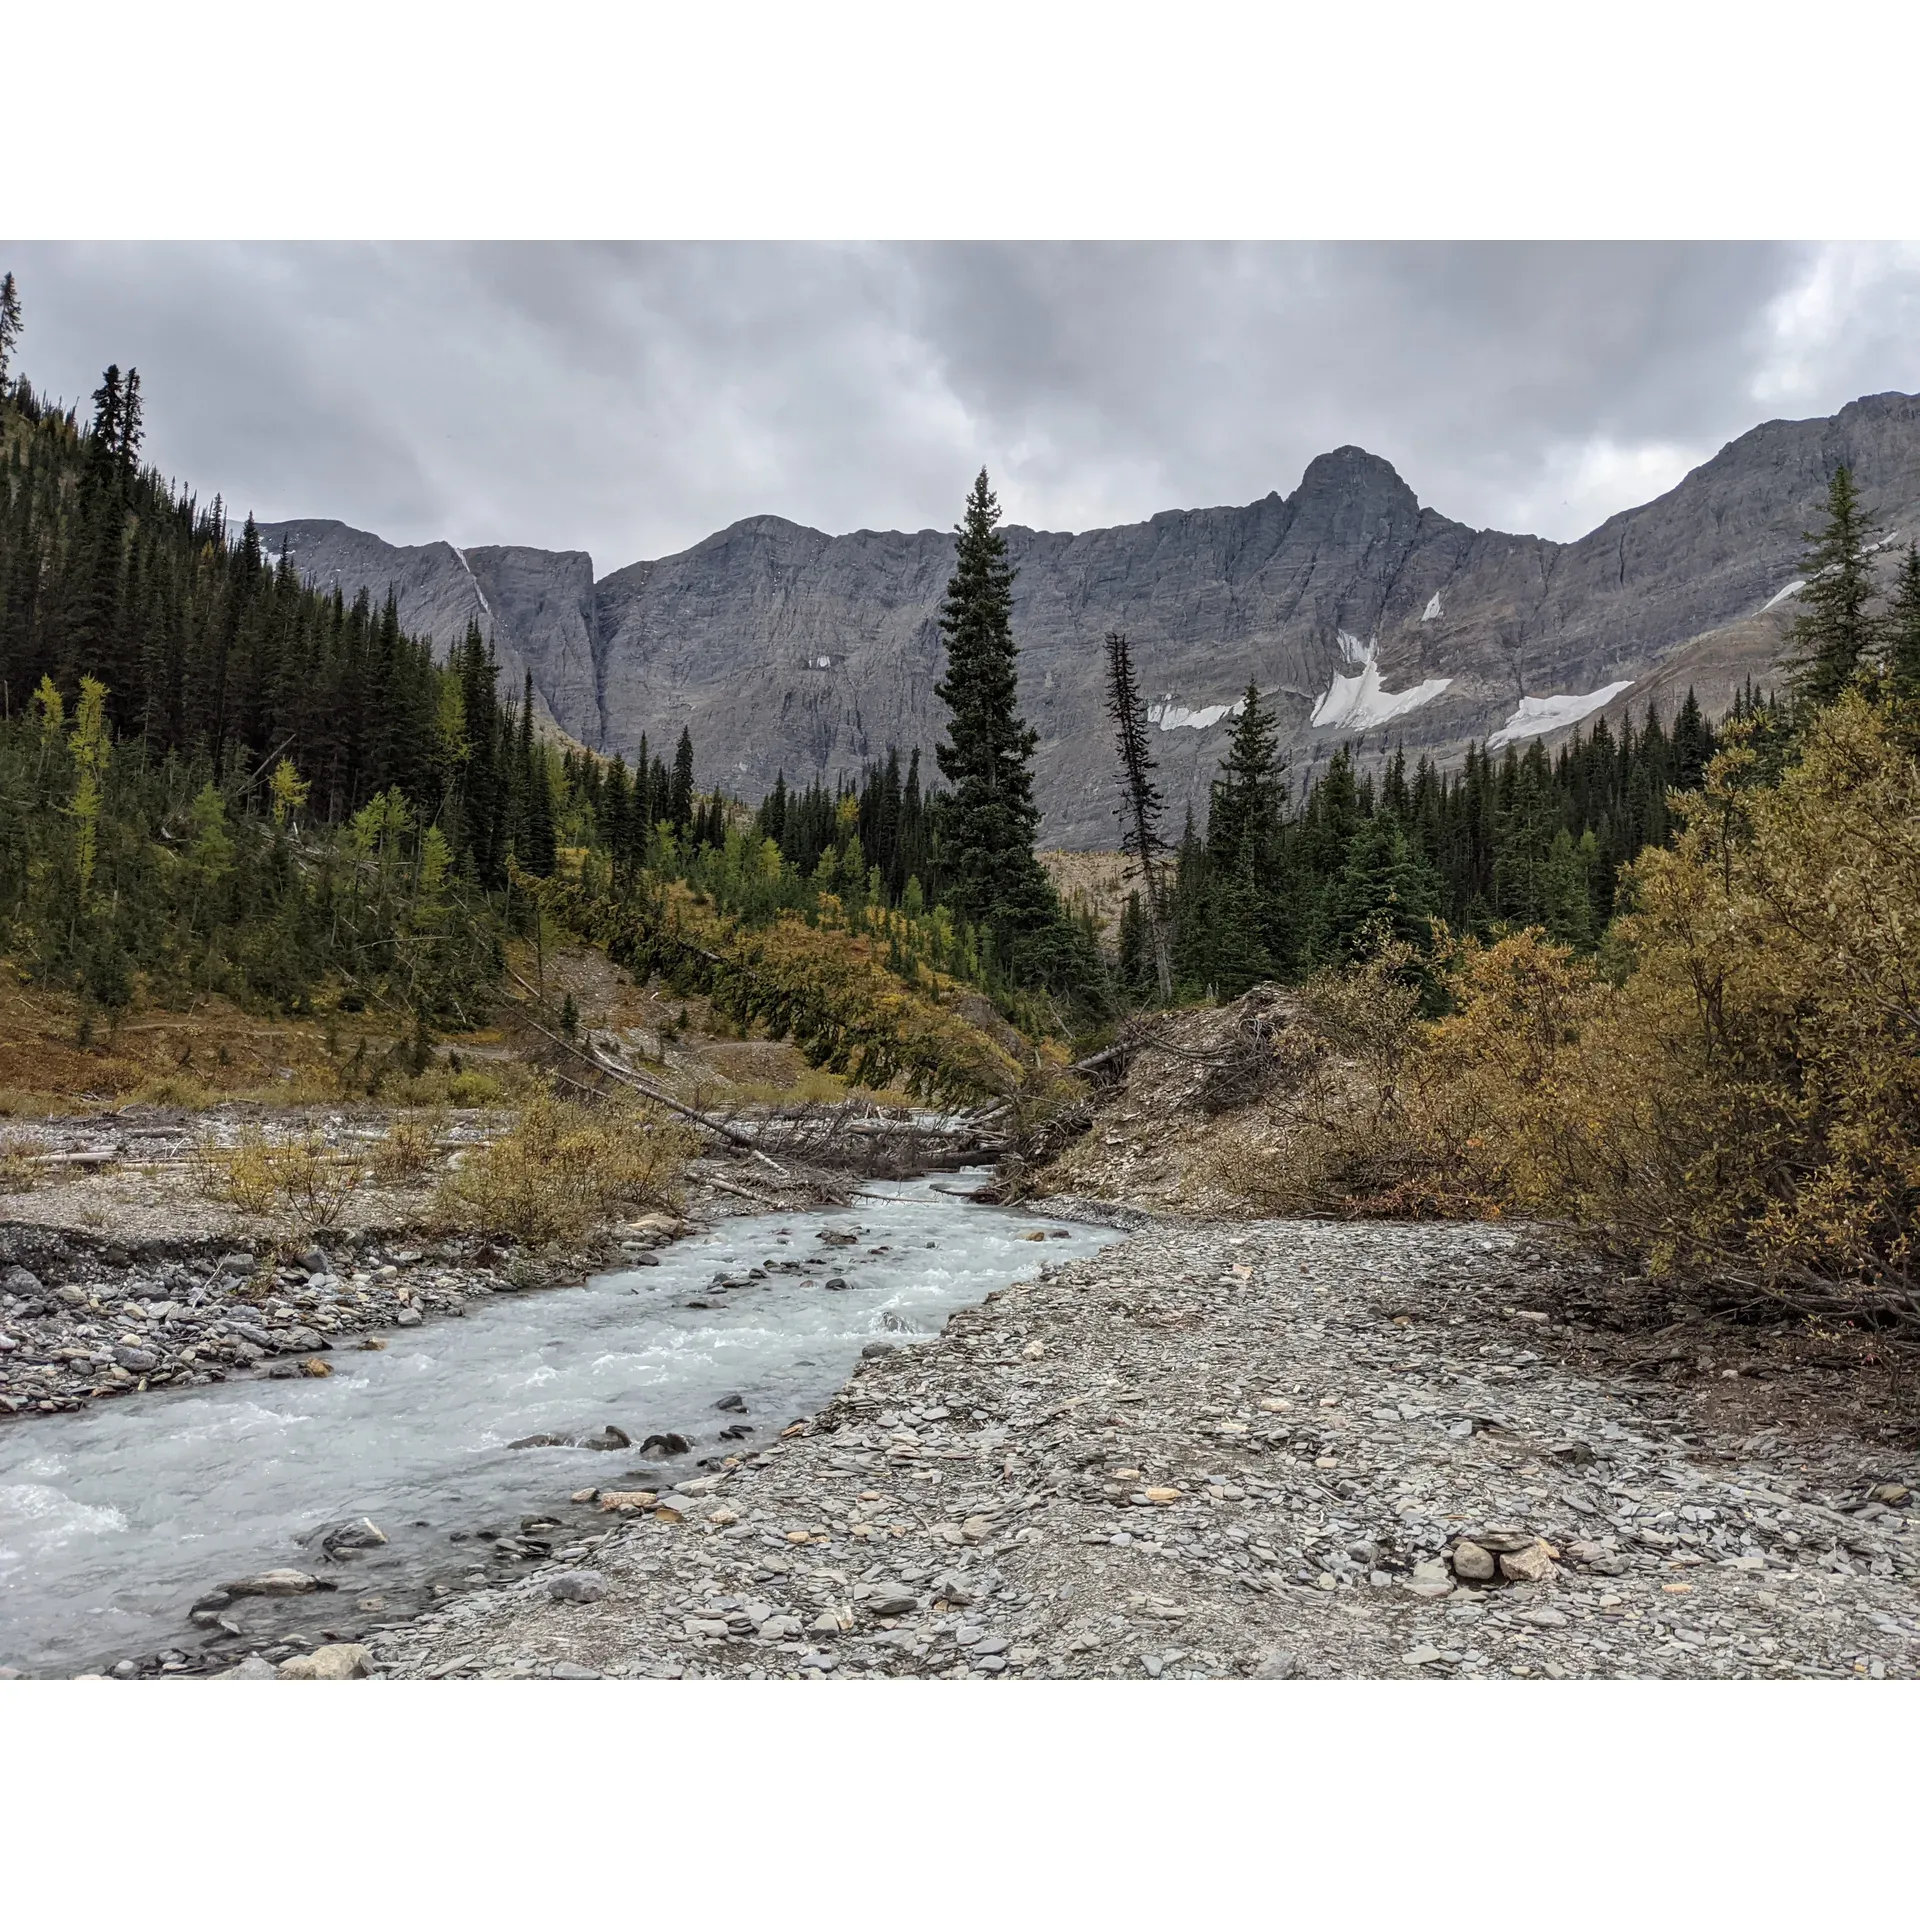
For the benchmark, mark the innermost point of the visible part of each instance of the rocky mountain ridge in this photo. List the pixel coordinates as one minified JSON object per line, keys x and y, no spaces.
{"x":1373,"y":621}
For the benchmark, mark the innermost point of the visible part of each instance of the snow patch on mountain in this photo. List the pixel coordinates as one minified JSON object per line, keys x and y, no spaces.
{"x":1786,"y":593}
{"x":1358,"y":701}
{"x":1433,"y":609}
{"x":478,"y":595}
{"x":1168,"y":716}
{"x":1553,"y":710}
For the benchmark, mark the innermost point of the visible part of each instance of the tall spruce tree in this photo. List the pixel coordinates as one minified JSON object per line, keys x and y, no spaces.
{"x":1835,"y":634}
{"x":680,"y":794}
{"x":1243,"y":815}
{"x":990,"y":819}
{"x":9,"y":329}
{"x":1903,"y":633}
{"x":1140,"y":804}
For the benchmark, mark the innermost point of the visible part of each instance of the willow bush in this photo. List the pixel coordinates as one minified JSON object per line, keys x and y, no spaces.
{"x":1745,"y":1100}
{"x":563,"y":1171}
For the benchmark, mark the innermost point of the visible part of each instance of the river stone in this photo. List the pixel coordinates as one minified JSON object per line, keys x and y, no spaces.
{"x":1533,"y":1563}
{"x":583,"y":1589}
{"x":18,"y":1281}
{"x":1498,"y":1540}
{"x":608,"y":1440}
{"x":277,"y":1583}
{"x":136,"y":1359}
{"x":890,"y":1597}
{"x":314,"y":1260}
{"x":251,"y":1668}
{"x":354,"y":1537}
{"x":1471,"y":1561}
{"x":349,"y":1662}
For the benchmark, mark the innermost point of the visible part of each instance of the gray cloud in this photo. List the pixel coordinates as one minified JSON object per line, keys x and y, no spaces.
{"x":630,"y":399}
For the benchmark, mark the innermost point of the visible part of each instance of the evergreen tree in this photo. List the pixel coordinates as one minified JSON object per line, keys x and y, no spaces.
{"x":1692,"y":746}
{"x":1835,"y":634}
{"x":1134,"y":959}
{"x":1528,"y":821}
{"x":1243,"y":814}
{"x":989,"y":819}
{"x":1903,"y":635}
{"x":679,"y":807}
{"x":1565,"y":899}
{"x":1385,"y":890}
{"x":1140,"y":803}
{"x":1236,"y":952}
{"x":10,"y":324}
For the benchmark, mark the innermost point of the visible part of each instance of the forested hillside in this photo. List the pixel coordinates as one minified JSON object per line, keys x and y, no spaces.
{"x":217,"y":778}
{"x":1271,"y":890}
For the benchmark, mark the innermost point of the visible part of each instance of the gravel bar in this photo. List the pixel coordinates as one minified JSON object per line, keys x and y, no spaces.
{"x":1289,"y":1449}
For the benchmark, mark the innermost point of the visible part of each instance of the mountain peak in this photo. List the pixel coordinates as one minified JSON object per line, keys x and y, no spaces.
{"x":1350,"y":470}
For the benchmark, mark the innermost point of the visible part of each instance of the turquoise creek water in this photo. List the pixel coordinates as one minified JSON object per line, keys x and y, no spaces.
{"x":114,"y":1521}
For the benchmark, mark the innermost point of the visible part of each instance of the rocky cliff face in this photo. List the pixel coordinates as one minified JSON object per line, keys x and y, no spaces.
{"x":1371,"y":620}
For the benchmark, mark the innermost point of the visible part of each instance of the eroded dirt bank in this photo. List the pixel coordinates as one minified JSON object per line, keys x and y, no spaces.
{"x":1284,"y":1448}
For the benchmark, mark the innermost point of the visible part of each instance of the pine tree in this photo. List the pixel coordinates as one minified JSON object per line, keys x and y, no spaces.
{"x":10,"y":325}
{"x":1565,"y":893}
{"x":1835,"y":635}
{"x":680,"y":795}
{"x":1243,"y":813}
{"x":990,"y":820}
{"x":1692,"y":746}
{"x":1903,"y":636}
{"x":1237,"y":956}
{"x":1385,"y":890}
{"x":1140,"y":803}
{"x":1134,"y":959}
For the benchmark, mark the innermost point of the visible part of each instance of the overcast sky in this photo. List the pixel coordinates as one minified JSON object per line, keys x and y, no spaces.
{"x":630,"y":399}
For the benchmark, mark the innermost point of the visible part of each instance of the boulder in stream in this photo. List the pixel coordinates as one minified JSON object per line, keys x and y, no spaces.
{"x":354,"y":1537}
{"x":277,"y":1583}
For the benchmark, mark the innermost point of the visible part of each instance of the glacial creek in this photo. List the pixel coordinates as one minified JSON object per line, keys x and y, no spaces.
{"x":115,"y":1521}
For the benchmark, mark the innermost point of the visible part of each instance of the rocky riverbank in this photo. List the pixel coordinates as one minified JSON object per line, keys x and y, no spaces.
{"x":1287,"y":1449}
{"x":118,"y":1282}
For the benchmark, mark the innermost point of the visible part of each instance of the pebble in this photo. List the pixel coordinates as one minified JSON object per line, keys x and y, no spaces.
{"x":343,"y":1662}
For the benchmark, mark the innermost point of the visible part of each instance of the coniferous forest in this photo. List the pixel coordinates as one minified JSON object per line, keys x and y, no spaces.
{"x":218,"y":778}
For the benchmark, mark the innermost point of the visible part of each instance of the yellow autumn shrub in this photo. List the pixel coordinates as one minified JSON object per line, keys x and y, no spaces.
{"x":1746,"y":1100}
{"x":563,"y":1171}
